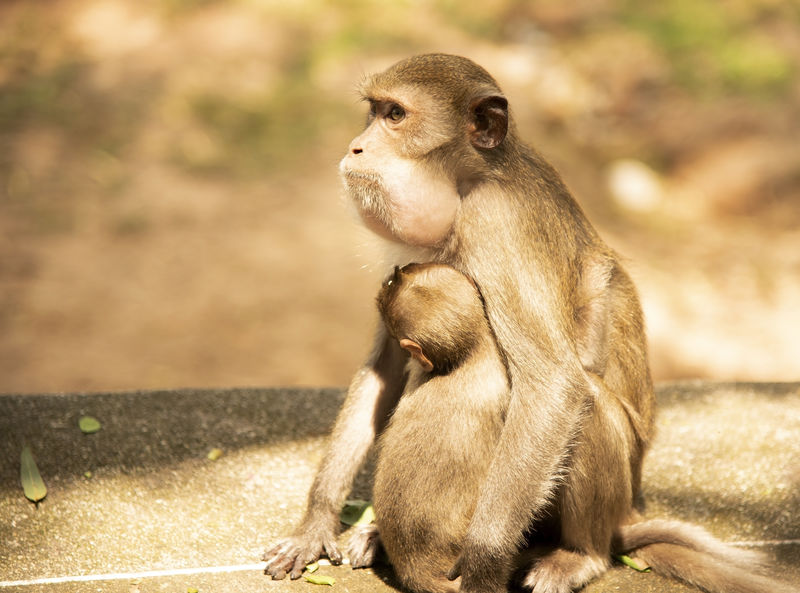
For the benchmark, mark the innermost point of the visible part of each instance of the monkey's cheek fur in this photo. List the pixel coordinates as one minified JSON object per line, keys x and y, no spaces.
{"x":370,"y":199}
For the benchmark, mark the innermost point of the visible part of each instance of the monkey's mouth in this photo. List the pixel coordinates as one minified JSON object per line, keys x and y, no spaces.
{"x":360,"y":177}
{"x":371,"y":199}
{"x":367,"y":191}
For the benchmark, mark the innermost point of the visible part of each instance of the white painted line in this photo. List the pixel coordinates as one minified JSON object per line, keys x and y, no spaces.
{"x":125,"y":576}
{"x":131,"y":576}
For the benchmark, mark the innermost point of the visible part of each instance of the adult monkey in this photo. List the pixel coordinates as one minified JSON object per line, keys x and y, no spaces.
{"x":440,"y":171}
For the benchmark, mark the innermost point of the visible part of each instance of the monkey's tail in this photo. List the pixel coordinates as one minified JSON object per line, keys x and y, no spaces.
{"x":690,"y":554}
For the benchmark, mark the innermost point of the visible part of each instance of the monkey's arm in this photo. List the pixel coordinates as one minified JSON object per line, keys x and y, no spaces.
{"x":372,"y":395}
{"x":544,"y":415}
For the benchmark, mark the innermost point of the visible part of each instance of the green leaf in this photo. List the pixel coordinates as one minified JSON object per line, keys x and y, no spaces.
{"x":32,"y":484}
{"x":319,"y":579}
{"x":357,"y":512}
{"x":631,"y":563}
{"x":313,"y":567}
{"x":89,"y":425}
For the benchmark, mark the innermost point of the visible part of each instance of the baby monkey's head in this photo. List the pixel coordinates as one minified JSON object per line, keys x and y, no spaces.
{"x":435,"y":312}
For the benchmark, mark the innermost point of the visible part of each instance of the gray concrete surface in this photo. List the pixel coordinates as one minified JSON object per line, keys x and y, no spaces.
{"x":157,"y":515}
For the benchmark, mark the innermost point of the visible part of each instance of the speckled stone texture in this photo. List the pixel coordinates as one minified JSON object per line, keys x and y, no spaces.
{"x":726,"y":456}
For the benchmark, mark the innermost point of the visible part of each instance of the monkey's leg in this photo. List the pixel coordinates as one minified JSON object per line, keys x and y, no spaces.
{"x":596,"y":498}
{"x":373,"y":394}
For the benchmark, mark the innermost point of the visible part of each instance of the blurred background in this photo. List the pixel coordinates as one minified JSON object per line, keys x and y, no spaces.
{"x":171,"y":216}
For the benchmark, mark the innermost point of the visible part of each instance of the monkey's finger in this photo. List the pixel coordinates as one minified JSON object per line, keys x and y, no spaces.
{"x":278,"y":565}
{"x":300,"y":563}
{"x":278,"y":570}
{"x":455,"y":572}
{"x":333,"y":553}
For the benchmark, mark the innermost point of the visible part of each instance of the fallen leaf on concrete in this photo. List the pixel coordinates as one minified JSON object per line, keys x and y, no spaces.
{"x":89,"y":425}
{"x":357,"y":512}
{"x":32,"y":483}
{"x":319,"y":579}
{"x":631,"y":563}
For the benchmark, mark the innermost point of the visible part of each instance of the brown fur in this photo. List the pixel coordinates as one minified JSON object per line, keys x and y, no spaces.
{"x":449,"y":177}
{"x":434,"y":454}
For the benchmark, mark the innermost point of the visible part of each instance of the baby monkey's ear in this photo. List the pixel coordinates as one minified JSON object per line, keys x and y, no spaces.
{"x":415,"y":350}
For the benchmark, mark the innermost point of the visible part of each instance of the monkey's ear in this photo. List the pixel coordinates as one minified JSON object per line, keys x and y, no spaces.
{"x":415,"y":350}
{"x":489,"y":121}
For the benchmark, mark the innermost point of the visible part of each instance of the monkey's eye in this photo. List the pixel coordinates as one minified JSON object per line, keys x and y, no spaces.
{"x":397,"y":113}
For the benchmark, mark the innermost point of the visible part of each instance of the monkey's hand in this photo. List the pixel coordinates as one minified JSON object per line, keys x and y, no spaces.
{"x":479,"y":572}
{"x":293,"y":554}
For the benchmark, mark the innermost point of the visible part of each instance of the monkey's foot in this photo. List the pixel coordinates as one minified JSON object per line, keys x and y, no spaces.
{"x":364,"y":546}
{"x":292,"y":554}
{"x":562,"y":571}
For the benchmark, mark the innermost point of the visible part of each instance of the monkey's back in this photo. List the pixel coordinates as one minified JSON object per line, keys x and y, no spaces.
{"x":434,"y":455}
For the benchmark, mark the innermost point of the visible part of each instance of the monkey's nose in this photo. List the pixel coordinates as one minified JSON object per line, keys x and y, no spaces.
{"x":355,"y":146}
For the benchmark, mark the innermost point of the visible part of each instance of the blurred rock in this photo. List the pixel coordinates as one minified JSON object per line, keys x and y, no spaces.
{"x":744,"y":177}
{"x":634,"y":186}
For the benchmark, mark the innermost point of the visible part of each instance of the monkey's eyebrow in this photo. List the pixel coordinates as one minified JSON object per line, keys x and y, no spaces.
{"x":382,"y":95}
{"x":373,"y":99}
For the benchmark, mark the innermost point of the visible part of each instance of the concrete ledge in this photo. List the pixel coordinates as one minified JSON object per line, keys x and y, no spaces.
{"x":158,"y":515}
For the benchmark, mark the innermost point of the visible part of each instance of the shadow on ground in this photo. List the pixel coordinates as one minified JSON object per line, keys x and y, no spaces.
{"x":141,"y":495}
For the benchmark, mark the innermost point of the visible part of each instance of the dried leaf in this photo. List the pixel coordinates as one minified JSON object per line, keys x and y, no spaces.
{"x":357,"y":512}
{"x":32,"y":483}
{"x":89,"y":425}
{"x":631,"y":563}
{"x":319,"y":579}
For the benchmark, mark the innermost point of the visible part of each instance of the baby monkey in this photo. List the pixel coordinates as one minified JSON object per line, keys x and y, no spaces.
{"x":435,"y":452}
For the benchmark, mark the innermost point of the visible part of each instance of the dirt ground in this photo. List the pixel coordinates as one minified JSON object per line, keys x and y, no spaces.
{"x":170,"y":213}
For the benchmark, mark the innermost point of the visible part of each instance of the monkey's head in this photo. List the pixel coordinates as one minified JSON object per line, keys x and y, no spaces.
{"x":435,"y":312}
{"x":434,"y":124}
